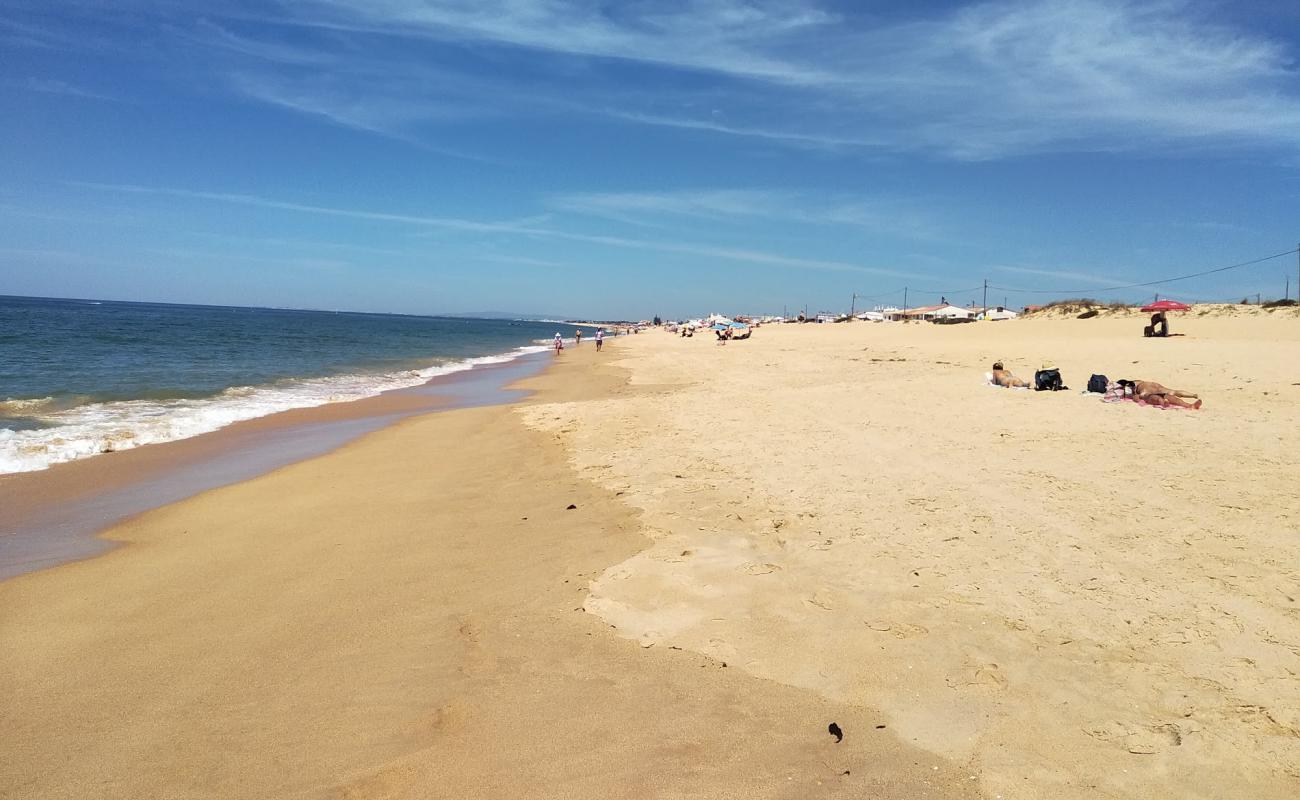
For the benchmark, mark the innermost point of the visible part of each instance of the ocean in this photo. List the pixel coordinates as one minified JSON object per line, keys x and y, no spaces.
{"x":83,"y":377}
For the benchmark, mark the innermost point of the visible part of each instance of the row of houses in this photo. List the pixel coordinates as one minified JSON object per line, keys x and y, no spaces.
{"x":945,"y":312}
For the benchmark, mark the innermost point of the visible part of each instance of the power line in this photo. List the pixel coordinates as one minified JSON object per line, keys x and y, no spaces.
{"x":879,"y":296}
{"x":1148,"y":283}
{"x":937,"y":292}
{"x":949,"y":291}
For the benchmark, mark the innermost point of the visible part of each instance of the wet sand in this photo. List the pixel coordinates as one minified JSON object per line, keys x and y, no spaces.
{"x":50,"y":516}
{"x":403,"y":617}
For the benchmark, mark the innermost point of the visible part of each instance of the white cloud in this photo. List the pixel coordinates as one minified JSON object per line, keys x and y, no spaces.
{"x":985,"y":81}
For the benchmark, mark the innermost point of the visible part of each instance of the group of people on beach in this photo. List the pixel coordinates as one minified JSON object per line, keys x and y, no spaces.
{"x":1146,"y":392}
{"x":577,"y":339}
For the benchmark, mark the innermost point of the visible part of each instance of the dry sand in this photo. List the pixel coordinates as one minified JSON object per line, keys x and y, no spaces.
{"x":403,"y":618}
{"x":1076,"y":599}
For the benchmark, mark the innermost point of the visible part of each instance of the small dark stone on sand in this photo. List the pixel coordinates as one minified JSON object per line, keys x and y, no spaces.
{"x":845,"y":772}
{"x":880,"y":727}
{"x":836,"y":732}
{"x":571,"y":507}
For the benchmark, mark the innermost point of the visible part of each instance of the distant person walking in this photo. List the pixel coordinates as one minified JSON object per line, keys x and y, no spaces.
{"x":559,"y":343}
{"x":600,"y":338}
{"x":577,"y":337}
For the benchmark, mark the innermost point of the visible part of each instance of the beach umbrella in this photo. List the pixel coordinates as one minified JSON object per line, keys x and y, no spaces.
{"x":1166,"y":305}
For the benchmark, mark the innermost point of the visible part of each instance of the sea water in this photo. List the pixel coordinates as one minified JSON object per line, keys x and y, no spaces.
{"x":83,"y":377}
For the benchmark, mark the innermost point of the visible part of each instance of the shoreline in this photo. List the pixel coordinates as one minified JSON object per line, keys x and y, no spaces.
{"x":402,"y":618}
{"x":54,"y":515}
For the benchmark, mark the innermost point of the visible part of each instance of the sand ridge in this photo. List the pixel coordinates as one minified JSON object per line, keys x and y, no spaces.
{"x":1084,"y":600}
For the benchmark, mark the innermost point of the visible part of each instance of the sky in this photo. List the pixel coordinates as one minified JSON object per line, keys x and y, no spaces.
{"x":627,"y":159}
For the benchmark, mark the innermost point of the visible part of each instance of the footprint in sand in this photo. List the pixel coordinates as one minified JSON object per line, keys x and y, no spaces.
{"x":821,"y":600}
{"x":979,"y":679}
{"x":755,"y":568}
{"x":899,"y":630}
{"x":674,"y":558}
{"x":1138,"y":739}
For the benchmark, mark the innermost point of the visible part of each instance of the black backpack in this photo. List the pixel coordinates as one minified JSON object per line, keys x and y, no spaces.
{"x":1048,"y":380}
{"x":1098,"y":384}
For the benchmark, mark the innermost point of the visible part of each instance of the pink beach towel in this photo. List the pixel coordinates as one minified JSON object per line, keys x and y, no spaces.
{"x":1116,"y":395}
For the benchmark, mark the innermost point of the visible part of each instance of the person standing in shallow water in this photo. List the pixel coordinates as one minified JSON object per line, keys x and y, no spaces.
{"x":559,"y":343}
{"x":600,"y":338}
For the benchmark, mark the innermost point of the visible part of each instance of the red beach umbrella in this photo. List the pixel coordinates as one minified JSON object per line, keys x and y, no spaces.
{"x":1166,"y":305}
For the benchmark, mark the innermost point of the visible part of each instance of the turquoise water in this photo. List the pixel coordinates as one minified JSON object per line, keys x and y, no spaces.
{"x":83,"y":377}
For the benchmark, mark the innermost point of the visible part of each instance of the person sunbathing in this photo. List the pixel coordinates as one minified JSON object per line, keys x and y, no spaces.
{"x":1156,"y":394}
{"x":1002,"y":377}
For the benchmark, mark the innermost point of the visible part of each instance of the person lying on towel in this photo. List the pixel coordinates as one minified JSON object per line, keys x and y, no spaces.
{"x":1002,"y":377}
{"x":1155,"y":394}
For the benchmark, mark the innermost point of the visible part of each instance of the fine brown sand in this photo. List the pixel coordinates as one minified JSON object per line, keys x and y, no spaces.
{"x":1073,"y":598}
{"x":403,"y":618}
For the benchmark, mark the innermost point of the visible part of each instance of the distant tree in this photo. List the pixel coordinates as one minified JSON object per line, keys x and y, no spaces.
{"x":657,"y":320}
{"x":1245,"y":301}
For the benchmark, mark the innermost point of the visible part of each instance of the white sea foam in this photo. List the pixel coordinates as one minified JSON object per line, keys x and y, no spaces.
{"x":95,"y":428}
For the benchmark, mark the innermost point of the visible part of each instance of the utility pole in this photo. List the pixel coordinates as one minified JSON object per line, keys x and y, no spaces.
{"x":904,"y":299}
{"x":853,"y":304}
{"x":985,"y":309}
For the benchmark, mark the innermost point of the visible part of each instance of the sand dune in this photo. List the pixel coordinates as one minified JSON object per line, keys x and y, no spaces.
{"x":1080,"y":599}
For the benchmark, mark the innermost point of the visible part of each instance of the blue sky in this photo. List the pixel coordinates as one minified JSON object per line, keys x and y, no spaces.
{"x":624,"y":159}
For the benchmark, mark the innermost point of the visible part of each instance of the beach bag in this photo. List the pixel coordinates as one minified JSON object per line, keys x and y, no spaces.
{"x":1048,"y":380}
{"x":1098,"y":384}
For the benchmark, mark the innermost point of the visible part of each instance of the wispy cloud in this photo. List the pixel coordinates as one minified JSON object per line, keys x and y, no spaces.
{"x":206,"y":32}
{"x":350,"y":106}
{"x":1065,"y":275}
{"x":299,"y":263}
{"x":726,"y":36}
{"x":524,"y":260}
{"x":504,"y":228}
{"x":878,"y":215}
{"x":56,"y":256}
{"x":822,"y":140}
{"x":51,"y":86}
{"x":985,"y":81}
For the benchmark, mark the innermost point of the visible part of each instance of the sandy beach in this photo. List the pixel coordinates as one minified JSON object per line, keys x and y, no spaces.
{"x":993,"y":593}
{"x":403,"y":618}
{"x":1079,"y":599}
